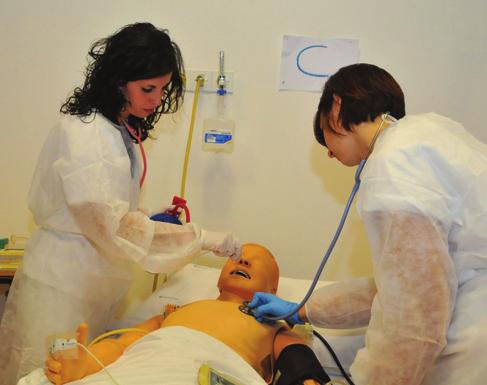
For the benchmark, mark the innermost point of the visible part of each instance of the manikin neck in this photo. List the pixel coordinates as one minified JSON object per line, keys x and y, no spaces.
{"x":230,"y":297}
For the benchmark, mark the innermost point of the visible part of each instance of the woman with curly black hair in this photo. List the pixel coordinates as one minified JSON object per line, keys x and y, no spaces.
{"x":84,"y":197}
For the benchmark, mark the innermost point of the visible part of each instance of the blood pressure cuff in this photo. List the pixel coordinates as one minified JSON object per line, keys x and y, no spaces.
{"x":298,"y":363}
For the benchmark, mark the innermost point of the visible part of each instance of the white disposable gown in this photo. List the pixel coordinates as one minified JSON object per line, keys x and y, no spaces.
{"x":423,"y":201}
{"x":78,"y":264}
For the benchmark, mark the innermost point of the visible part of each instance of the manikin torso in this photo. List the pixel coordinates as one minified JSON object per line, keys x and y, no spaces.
{"x":223,"y":320}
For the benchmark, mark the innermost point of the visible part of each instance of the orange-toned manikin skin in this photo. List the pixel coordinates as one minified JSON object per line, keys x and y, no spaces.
{"x":259,"y":344}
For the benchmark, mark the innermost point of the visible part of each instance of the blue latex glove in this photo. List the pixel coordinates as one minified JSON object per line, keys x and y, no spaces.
{"x":266,"y":304}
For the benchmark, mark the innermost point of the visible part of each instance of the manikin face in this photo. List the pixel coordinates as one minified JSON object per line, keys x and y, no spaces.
{"x":342,"y":144}
{"x":257,"y":270}
{"x":144,"y":96}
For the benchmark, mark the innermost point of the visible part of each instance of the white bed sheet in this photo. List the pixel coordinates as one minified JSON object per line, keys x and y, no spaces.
{"x":171,"y":355}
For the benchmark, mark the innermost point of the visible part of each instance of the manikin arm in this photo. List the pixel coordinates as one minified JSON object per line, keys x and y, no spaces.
{"x":59,"y":370}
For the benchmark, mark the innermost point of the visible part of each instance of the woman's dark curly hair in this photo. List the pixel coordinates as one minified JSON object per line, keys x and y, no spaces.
{"x":137,"y":51}
{"x":366,"y":91}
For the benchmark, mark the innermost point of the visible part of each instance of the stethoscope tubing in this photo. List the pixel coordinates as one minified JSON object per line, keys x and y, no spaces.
{"x":338,"y":231}
{"x":329,"y":250}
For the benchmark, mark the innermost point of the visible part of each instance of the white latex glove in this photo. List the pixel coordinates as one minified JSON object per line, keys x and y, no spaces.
{"x":222,"y":244}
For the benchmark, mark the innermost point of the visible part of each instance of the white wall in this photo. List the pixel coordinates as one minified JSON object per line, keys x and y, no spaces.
{"x":277,"y":187}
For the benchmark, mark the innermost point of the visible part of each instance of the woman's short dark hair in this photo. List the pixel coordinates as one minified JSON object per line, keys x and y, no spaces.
{"x":137,"y":51}
{"x":366,"y":91}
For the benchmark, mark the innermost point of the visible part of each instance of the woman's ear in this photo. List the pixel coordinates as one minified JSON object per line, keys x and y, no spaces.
{"x":334,"y":115}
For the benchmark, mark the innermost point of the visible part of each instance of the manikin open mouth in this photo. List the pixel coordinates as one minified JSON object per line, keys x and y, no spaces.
{"x":241,"y":273}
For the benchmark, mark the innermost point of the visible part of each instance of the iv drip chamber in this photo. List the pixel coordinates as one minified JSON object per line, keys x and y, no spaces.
{"x":218,"y":131}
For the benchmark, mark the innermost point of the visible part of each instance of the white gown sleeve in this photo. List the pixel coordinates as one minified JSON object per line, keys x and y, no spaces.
{"x":95,"y":174}
{"x":156,"y":246}
{"x":342,"y":305}
{"x":416,"y":287}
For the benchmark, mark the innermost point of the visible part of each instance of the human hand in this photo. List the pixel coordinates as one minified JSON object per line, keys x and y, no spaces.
{"x":222,"y":244}
{"x":60,"y":370}
{"x":266,"y":304}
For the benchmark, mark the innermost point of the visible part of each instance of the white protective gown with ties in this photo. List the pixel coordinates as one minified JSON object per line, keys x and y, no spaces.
{"x":78,"y":265}
{"x":423,"y":200}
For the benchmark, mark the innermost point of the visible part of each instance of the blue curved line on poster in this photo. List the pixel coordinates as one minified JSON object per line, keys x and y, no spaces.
{"x":317,"y":75}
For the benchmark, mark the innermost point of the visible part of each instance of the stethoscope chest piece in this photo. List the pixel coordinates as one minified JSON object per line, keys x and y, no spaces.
{"x":244,"y":308}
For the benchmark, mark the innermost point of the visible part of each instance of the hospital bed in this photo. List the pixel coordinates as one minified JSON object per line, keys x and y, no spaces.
{"x":195,"y":282}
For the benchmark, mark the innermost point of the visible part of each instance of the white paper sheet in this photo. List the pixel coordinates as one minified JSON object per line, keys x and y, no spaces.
{"x":307,"y":63}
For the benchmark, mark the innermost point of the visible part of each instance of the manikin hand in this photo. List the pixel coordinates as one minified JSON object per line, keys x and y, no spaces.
{"x":222,"y":244}
{"x":61,"y":370}
{"x":266,"y":304}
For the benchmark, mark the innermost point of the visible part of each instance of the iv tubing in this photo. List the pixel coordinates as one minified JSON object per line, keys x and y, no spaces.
{"x":118,"y":331}
{"x":199,"y":83}
{"x":103,"y":336}
{"x":94,"y":358}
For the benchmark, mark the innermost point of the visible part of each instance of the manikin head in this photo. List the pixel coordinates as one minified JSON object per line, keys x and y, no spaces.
{"x":257,"y":270}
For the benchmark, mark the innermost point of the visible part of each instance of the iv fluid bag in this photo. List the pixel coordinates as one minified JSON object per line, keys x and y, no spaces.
{"x":218,"y":134}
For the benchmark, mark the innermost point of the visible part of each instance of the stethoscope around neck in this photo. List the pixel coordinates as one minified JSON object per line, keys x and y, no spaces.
{"x":138,"y":138}
{"x":385,"y":117}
